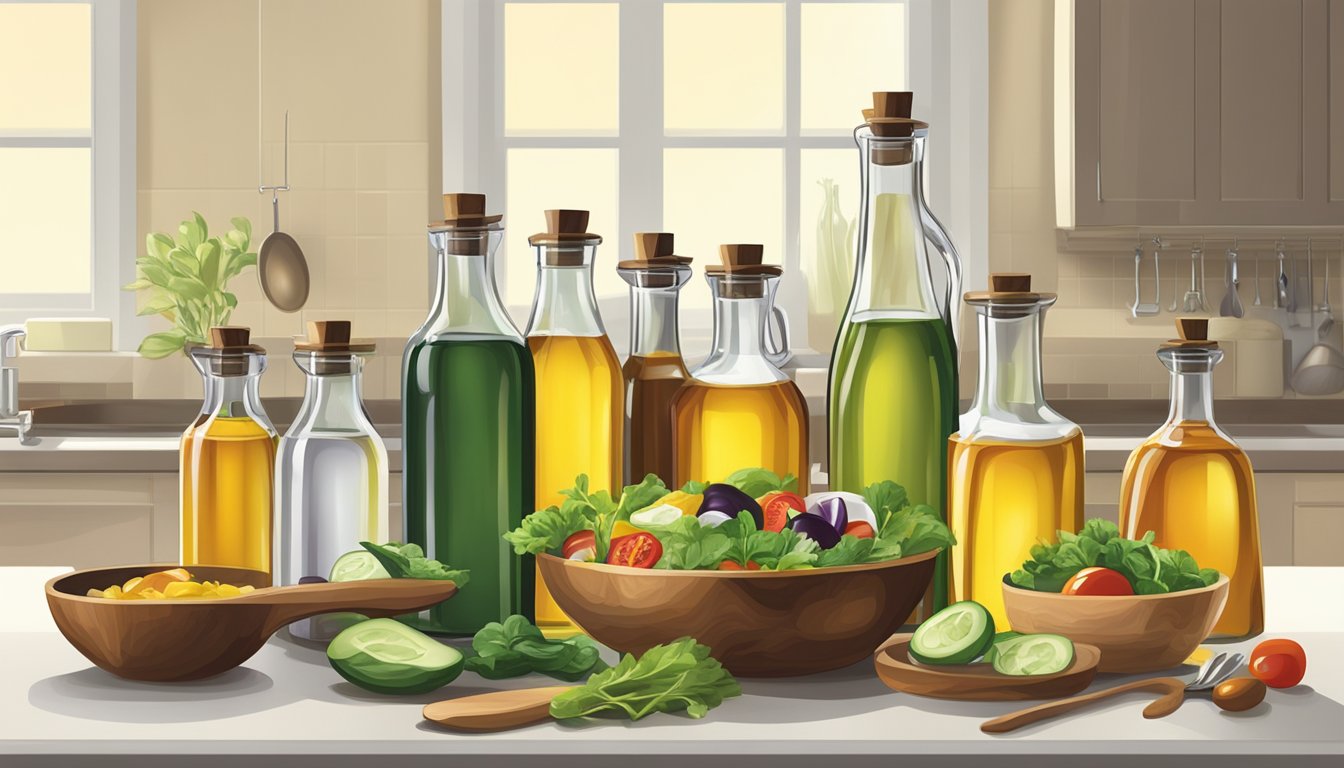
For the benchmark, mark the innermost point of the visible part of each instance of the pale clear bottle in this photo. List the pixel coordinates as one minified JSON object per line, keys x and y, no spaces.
{"x":886,"y":422}
{"x":580,"y":388}
{"x":331,"y":471}
{"x":654,"y":371}
{"x":227,"y":458}
{"x":1015,"y":466}
{"x":1193,"y":486}
{"x":739,"y":409}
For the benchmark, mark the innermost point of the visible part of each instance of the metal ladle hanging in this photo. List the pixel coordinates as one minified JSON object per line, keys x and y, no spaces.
{"x":281,"y":266}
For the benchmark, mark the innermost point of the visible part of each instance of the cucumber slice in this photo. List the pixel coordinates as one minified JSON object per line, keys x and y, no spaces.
{"x":999,"y":639}
{"x":359,"y":565}
{"x":386,"y":656}
{"x":1033,"y":655}
{"x":958,"y":634}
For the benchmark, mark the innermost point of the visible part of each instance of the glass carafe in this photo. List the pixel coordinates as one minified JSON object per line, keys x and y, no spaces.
{"x":1193,"y":486}
{"x":739,"y":409}
{"x":1015,"y":466}
{"x":892,"y":393}
{"x":580,"y":390}
{"x":228,"y":458}
{"x":654,"y":371}
{"x":331,"y":471}
{"x":468,"y":415}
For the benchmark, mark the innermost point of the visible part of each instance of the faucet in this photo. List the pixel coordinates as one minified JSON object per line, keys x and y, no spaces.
{"x":11,"y":418}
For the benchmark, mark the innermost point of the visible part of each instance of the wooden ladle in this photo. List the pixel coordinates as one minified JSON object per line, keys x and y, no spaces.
{"x":181,"y":639}
{"x":496,"y":711}
{"x":1171,"y":688}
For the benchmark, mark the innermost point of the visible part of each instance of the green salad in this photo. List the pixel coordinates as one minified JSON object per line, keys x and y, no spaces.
{"x":1098,"y":554}
{"x":751,"y":521}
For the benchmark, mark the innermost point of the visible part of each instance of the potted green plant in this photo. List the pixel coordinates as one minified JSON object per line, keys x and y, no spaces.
{"x":187,"y":280}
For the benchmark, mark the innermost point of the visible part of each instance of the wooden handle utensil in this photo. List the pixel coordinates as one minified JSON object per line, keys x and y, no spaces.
{"x":1171,"y":688}
{"x":497,"y":711}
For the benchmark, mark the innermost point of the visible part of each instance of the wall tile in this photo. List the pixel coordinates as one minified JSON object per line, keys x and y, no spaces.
{"x":339,"y":213}
{"x":1000,"y":210}
{"x":339,"y":166}
{"x":371,"y":166}
{"x":407,"y":167}
{"x":371,"y":269}
{"x":371,"y":213}
{"x":340,"y":281}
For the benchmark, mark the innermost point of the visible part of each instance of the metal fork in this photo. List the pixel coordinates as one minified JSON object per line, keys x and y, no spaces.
{"x":1173,"y":690}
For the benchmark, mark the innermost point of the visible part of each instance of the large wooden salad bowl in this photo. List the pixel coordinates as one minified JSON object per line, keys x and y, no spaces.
{"x":756,"y":623}
{"x":1135,"y":633}
{"x":184,"y":639}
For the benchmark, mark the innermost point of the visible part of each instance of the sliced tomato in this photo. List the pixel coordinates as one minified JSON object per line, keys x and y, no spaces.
{"x":1098,"y":581}
{"x":638,"y":550}
{"x":860,"y":530}
{"x":776,"y":506}
{"x":731,"y":565}
{"x":577,"y":543}
{"x":1278,"y":663}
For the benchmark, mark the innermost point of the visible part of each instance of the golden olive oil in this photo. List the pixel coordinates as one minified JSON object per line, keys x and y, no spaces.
{"x":227,"y":470}
{"x":720,"y":428}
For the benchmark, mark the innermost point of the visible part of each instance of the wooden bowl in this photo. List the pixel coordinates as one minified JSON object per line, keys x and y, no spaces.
{"x":1136,"y":633}
{"x":979,"y":682}
{"x":757,"y":623}
{"x":181,"y":639}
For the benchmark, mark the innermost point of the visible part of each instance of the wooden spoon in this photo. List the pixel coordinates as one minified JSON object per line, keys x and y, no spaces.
{"x":497,"y":711}
{"x":1171,"y":688}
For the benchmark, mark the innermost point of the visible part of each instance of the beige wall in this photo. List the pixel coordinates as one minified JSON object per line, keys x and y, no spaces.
{"x":360,"y":81}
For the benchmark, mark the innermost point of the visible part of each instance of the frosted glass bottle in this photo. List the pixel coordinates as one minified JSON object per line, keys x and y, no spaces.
{"x":331,"y":470}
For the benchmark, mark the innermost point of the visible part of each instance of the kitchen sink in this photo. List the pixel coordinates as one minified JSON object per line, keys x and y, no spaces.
{"x":169,"y":417}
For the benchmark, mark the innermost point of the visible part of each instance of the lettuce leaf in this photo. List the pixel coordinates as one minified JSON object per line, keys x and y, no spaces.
{"x":1149,"y":569}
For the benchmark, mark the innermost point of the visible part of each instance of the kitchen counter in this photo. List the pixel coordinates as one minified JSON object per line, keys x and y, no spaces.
{"x":286,"y":703}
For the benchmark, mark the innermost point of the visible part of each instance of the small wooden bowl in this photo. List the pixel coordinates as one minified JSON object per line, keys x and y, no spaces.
{"x":180,"y":639}
{"x":1136,"y":633}
{"x":757,"y":623}
{"x":979,"y":682}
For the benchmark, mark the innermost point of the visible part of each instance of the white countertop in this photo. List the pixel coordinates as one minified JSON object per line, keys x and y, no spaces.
{"x":287,"y":701}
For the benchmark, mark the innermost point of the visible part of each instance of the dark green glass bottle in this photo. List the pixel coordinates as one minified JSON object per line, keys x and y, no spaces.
{"x":468,"y":439}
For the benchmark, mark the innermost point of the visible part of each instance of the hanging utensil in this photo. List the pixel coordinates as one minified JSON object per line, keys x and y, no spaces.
{"x":1141,"y":308}
{"x":1321,"y":371}
{"x":281,"y":266}
{"x":1281,"y":282}
{"x":1231,"y":306}
{"x":1256,"y":303}
{"x":1194,"y":298}
{"x":1173,"y":690}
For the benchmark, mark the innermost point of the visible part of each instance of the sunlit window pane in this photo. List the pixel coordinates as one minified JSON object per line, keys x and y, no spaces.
{"x":723,"y":68}
{"x":829,"y":204}
{"x":849,"y":50}
{"x":715,"y":196}
{"x":45,"y":69}
{"x":561,"y":68}
{"x":44,"y":220}
{"x":539,"y":179}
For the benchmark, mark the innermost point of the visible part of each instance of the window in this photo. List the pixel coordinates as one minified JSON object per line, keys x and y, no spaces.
{"x":66,"y":184}
{"x":717,"y":121}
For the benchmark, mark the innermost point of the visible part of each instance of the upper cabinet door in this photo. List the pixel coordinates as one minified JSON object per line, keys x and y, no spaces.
{"x":1209,"y":112}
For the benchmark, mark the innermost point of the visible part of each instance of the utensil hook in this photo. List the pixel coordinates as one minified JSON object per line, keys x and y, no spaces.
{"x":275,"y":189}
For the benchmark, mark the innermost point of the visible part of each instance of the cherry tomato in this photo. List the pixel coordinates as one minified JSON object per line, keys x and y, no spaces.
{"x":859,"y":530}
{"x":1279,"y":663}
{"x":1098,"y":581}
{"x":638,"y":550}
{"x":579,"y":543}
{"x":731,"y":565}
{"x":776,"y":506}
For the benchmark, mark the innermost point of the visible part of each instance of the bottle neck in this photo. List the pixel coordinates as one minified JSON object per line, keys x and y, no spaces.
{"x":653,"y":317}
{"x":466,"y":300}
{"x":740,"y":352}
{"x":893,"y":278}
{"x":564,"y":303}
{"x":234,"y":397}
{"x":1191,"y":383}
{"x":333,"y":403}
{"x":1010,"y":364}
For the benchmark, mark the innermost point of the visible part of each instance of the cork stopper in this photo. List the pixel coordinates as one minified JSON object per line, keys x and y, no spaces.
{"x":890,"y":118}
{"x":1009,"y":288}
{"x":743,"y":275}
{"x":332,"y":336}
{"x":1194,"y":334}
{"x":229,"y":350}
{"x":467,"y":223}
{"x":565,"y":236}
{"x":654,"y":250}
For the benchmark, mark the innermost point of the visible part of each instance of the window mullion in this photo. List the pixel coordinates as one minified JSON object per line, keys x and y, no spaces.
{"x":793,"y":289}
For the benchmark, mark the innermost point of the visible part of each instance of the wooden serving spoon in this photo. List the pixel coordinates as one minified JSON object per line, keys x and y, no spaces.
{"x":1171,"y":688}
{"x":497,"y":711}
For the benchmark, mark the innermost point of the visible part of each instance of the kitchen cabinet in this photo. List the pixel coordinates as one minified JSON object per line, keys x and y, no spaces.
{"x":1208,"y":112}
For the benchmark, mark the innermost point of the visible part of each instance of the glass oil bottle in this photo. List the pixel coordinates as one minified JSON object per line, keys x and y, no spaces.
{"x":1015,"y":466}
{"x":1193,"y":486}
{"x":227,"y":458}
{"x":580,"y":389}
{"x":739,"y":409}
{"x":654,"y":371}
{"x":892,"y":391}
{"x":331,"y":471}
{"x":468,"y":427}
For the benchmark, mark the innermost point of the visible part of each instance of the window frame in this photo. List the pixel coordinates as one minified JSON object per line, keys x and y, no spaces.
{"x":946,"y":49}
{"x":112,"y":143}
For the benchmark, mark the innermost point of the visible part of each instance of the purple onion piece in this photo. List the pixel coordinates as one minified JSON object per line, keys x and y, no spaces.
{"x":312,"y":580}
{"x":833,"y":511}
{"x":816,"y":528}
